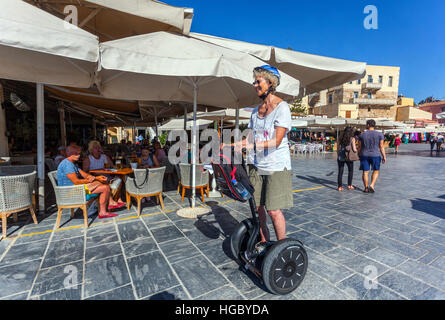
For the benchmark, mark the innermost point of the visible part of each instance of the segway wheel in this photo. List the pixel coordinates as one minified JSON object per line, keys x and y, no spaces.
{"x":284,"y":266}
{"x":239,"y":238}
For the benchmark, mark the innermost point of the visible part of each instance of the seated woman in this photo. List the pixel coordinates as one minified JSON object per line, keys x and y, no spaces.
{"x":146,"y":161}
{"x":97,"y":160}
{"x":68,"y":174}
{"x":159,"y":152}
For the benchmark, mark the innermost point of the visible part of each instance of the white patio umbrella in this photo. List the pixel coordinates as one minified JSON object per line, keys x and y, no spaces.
{"x":440,"y":115}
{"x":315,"y":73}
{"x":178,"y":124}
{"x":37,"y":47}
{"x":171,"y":67}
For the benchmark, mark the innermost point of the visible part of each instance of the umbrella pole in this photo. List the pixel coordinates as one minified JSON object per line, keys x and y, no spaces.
{"x":41,"y":145}
{"x":185,"y":118}
{"x":237,"y":119}
{"x":62,"y":124}
{"x":195,"y":98}
{"x":3,"y":139}
{"x":156,"y":120}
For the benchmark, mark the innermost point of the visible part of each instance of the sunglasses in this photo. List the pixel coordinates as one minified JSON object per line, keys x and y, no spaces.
{"x":257,"y":82}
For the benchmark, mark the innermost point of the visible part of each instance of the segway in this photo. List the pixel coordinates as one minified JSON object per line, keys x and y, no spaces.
{"x":280,"y":265}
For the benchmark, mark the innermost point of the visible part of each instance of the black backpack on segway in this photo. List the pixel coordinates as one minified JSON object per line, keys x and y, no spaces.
{"x":280,"y":265}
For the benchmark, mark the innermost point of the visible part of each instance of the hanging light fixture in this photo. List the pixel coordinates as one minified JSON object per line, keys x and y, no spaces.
{"x":18,"y":103}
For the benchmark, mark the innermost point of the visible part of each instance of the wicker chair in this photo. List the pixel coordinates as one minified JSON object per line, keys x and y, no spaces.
{"x":16,"y":195}
{"x":20,"y":170}
{"x":201,"y":179}
{"x":71,"y":197}
{"x":151,"y":187}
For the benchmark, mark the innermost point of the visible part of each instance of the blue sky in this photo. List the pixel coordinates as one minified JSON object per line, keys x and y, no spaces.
{"x":410,"y":34}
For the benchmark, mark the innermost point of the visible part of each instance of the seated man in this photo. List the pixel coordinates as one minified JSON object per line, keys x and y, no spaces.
{"x":97,"y":160}
{"x":68,"y":174}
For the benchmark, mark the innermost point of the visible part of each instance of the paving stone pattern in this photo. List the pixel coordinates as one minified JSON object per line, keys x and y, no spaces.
{"x":387,"y":245}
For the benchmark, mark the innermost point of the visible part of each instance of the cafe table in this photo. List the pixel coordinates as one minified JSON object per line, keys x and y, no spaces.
{"x":121,"y":172}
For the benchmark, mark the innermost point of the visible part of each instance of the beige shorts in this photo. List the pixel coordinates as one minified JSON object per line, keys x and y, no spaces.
{"x":273,"y":191}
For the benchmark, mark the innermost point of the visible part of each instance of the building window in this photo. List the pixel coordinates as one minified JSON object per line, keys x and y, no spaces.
{"x":330,"y":98}
{"x":380,"y":79}
{"x":369,"y":95}
{"x":369,"y":109}
{"x":359,"y":81}
{"x":369,"y":79}
{"x":443,"y":109}
{"x":390,"y":82}
{"x":350,"y":82}
{"x":356,"y":94}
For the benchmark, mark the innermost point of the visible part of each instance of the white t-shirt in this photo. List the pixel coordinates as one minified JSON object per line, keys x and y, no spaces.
{"x":263,"y":129}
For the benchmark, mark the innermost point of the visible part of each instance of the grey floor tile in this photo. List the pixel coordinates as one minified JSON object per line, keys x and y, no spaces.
{"x":431,"y":294}
{"x":401,"y":236}
{"x":24,"y":252}
{"x":386,"y":257}
{"x":328,"y":269}
{"x":64,"y":251}
{"x":439,"y":263}
{"x":243,"y":281}
{"x":151,"y":273}
{"x":223,"y":293}
{"x":136,"y":247}
{"x":64,"y":294}
{"x":67,"y":276}
{"x":316,"y":228}
{"x":314,"y":287}
{"x":18,"y":278}
{"x":312,"y":241}
{"x":424,"y":272}
{"x":355,"y":244}
{"x":395,"y":246}
{"x":199,"y":276}
{"x":345,"y":228}
{"x":133,"y":230}
{"x":175,"y":293}
{"x":68,"y":233}
{"x":104,"y":275}
{"x":178,"y":250}
{"x":166,"y":234}
{"x":122,"y":293}
{"x":431,"y":246}
{"x":361,"y":288}
{"x":319,"y":219}
{"x":102,"y":251}
{"x":98,"y":235}
{"x":18,"y":296}
{"x":32,"y":238}
{"x":429,"y":257}
{"x":217,"y":251}
{"x":403,"y":284}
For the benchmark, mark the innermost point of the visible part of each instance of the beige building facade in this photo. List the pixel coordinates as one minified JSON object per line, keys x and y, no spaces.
{"x":373,"y":96}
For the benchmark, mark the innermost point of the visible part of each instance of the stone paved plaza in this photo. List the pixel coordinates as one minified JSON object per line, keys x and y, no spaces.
{"x":396,"y":235}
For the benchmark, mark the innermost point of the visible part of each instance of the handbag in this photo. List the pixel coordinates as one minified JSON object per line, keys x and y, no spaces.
{"x":350,"y":155}
{"x":145,"y":180}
